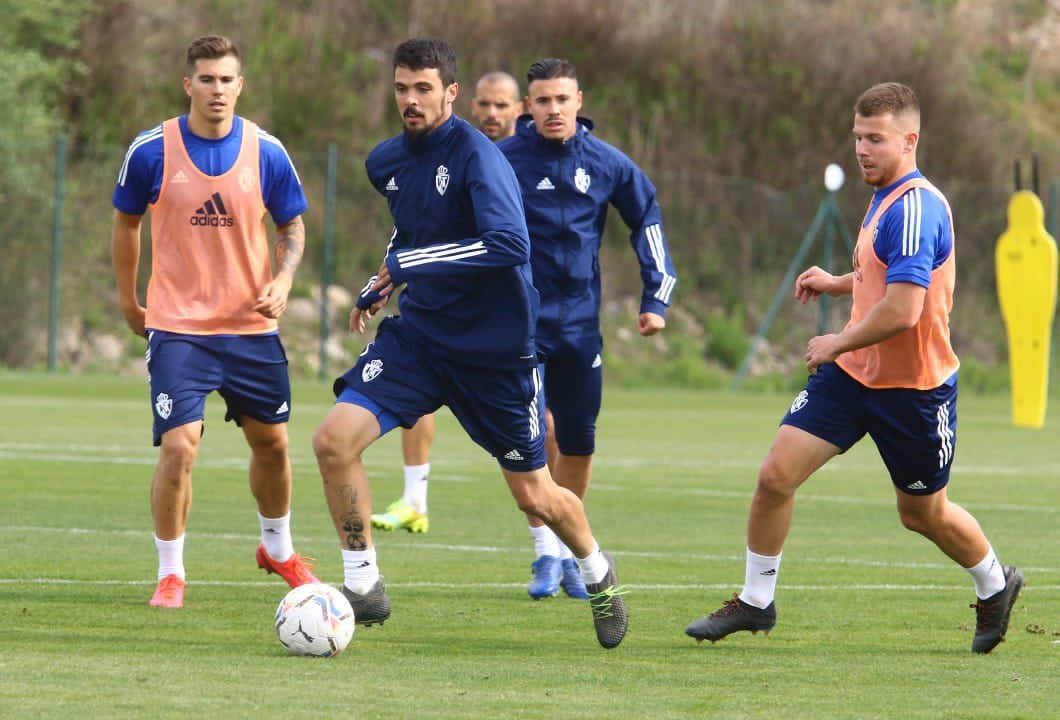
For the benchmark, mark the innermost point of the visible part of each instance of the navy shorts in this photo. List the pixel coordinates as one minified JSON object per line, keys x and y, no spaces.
{"x":249,"y":372}
{"x":573,"y":375}
{"x":501,"y":409}
{"x":914,"y":430}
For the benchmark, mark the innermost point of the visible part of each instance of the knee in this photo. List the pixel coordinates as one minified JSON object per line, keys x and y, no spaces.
{"x":531,"y":505}
{"x":774,"y":479}
{"x":178,"y":450}
{"x":915,"y":521}
{"x":532,"y":501}
{"x":271,"y":448}
{"x":329,"y":445}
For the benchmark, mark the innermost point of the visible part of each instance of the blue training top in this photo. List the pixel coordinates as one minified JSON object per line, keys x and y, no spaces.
{"x":914,"y":236}
{"x":566,"y":188}
{"x":459,"y":244}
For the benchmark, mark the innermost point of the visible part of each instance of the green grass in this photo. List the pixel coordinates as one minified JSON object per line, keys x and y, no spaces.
{"x":873,"y":621}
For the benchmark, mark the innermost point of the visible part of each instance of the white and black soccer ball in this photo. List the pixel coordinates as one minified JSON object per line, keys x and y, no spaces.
{"x":314,"y":620}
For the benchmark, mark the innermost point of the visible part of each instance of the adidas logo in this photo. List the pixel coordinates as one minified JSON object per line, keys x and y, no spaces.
{"x":769,"y":573}
{"x":391,"y":186}
{"x":597,"y":361}
{"x":179,"y":177}
{"x":545,"y":184}
{"x":283,"y":408}
{"x":918,"y":485}
{"x":212,"y":214}
{"x":513,"y":454}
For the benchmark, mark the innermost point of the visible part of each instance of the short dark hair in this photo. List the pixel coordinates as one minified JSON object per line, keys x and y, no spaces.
{"x":211,"y":47}
{"x":888,"y":97}
{"x":427,"y":53}
{"x":550,"y":68}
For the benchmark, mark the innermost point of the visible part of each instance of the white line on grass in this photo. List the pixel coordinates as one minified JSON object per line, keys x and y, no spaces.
{"x":443,"y":547}
{"x":482,"y":585}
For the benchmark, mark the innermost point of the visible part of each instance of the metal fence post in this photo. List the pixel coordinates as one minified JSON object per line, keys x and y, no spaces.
{"x":57,"y":247}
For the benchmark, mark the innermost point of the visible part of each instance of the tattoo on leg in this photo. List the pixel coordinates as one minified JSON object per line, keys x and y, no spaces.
{"x":353,"y":526}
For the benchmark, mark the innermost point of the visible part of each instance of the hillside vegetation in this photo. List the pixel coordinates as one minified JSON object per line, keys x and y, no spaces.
{"x":734,"y":108}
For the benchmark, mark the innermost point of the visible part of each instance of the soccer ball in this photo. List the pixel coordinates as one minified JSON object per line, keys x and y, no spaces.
{"x":314,"y":620}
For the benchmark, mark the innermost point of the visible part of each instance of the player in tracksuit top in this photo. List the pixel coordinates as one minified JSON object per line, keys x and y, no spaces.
{"x":464,"y":336}
{"x":568,"y":179}
{"x":891,"y":373}
{"x":210,"y":178}
{"x":494,"y":109}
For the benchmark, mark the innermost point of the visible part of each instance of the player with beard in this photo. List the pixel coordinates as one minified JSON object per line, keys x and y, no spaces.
{"x":494,"y":108}
{"x":464,"y":337}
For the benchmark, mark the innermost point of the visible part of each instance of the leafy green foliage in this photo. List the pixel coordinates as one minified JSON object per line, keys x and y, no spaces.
{"x":733,"y":109}
{"x":728,"y":342}
{"x":36,"y":65}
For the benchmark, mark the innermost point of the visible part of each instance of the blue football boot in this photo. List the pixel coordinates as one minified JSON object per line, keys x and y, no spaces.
{"x":571,"y":581}
{"x":547,"y":572}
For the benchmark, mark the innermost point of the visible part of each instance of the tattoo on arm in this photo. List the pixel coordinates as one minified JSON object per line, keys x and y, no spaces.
{"x":290,"y":245}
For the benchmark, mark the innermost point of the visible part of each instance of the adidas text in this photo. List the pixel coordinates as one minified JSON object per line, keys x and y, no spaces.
{"x":213,"y":213}
{"x":513,"y":455}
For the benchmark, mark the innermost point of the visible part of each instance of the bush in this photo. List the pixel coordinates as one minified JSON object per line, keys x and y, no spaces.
{"x":727,"y":341}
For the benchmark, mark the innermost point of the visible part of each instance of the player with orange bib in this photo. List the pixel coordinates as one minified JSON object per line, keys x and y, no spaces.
{"x":891,"y":374}
{"x":209,"y":178}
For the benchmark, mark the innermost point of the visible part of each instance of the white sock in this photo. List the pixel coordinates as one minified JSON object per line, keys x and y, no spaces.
{"x":276,"y":537}
{"x":170,"y":557}
{"x":565,"y":552}
{"x":360,"y":570}
{"x":988,"y":575}
{"x":416,"y":487}
{"x":760,"y":579}
{"x":545,"y":541}
{"x":593,"y":568}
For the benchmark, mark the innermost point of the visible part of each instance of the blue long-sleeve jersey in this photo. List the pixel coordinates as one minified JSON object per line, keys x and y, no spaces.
{"x":460,"y":245}
{"x":566,"y":188}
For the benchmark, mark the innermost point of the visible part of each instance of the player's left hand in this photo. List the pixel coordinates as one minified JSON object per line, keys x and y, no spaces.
{"x":820,"y":350}
{"x":649,"y":323}
{"x":273,"y":299}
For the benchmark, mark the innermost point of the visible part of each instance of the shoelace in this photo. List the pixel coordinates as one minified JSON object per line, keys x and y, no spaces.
{"x":729,"y":607}
{"x":601,"y":601}
{"x":303,"y":566}
{"x":985,"y":614}
{"x":170,"y":587}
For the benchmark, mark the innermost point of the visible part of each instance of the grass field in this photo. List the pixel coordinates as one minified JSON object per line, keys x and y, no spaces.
{"x":873,"y":621}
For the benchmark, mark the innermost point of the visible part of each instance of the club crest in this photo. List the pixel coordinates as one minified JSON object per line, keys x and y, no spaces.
{"x":163,"y":405}
{"x":372,"y":370}
{"x":441,"y":179}
{"x":582,"y":180}
{"x":247,"y":179}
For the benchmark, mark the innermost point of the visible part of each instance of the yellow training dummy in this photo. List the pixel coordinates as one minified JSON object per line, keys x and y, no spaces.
{"x":1026,"y":288}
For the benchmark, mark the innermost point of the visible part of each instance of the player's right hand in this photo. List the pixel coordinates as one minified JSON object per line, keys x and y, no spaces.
{"x":136,"y":318}
{"x":359,"y":317}
{"x":811,"y":283}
